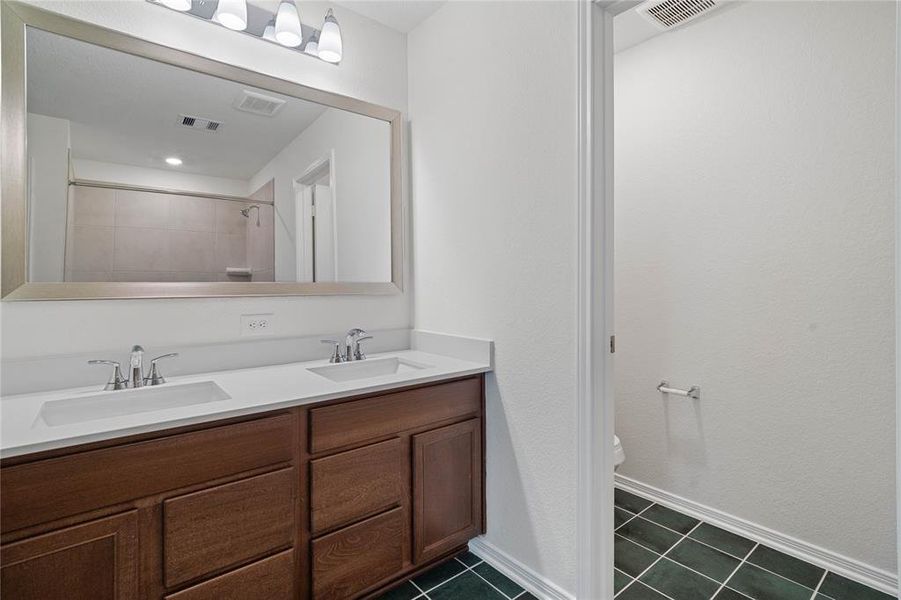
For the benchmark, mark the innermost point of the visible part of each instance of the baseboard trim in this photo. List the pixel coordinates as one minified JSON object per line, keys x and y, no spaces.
{"x":530,"y":580}
{"x":842,"y":565}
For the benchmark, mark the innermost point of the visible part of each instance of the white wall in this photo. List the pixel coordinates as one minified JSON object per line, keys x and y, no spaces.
{"x":362,"y":166}
{"x":754,"y":257}
{"x":48,"y":184}
{"x":374,"y":69}
{"x":107,"y":172}
{"x":493,"y":146}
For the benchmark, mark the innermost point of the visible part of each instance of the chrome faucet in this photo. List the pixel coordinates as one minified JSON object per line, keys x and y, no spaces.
{"x":351,"y":350}
{"x":351,"y":344}
{"x":118,"y":381}
{"x":136,"y":362}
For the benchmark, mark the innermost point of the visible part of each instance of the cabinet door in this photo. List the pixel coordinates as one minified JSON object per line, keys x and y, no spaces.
{"x":447,"y":488}
{"x":97,"y":560}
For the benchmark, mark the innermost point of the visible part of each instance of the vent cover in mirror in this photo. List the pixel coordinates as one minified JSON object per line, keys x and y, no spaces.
{"x":258,"y":104}
{"x":199,"y":123}
{"x":667,"y":14}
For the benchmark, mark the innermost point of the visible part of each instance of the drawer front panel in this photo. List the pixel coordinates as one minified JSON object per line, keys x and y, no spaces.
{"x":355,"y":484}
{"x":54,"y":488}
{"x":221,"y":526}
{"x":268,"y":579}
{"x":357,"y":421}
{"x":355,"y":558}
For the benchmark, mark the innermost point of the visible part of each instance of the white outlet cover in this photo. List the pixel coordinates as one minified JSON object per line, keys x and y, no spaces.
{"x":259,"y":324}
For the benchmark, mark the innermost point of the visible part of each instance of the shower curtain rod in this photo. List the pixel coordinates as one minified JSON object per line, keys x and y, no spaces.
{"x":174,"y":192}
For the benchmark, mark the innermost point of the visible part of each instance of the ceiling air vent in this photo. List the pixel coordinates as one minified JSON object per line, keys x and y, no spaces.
{"x":199,"y":123}
{"x":667,"y":14}
{"x":258,"y":104}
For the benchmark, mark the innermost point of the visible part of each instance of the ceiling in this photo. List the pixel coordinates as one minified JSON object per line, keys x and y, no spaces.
{"x":124,"y":109}
{"x":400,"y":15}
{"x":631,"y":29}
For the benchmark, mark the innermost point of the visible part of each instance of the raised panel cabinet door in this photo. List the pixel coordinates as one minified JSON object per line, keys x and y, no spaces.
{"x":447,"y":488}
{"x":97,"y":560}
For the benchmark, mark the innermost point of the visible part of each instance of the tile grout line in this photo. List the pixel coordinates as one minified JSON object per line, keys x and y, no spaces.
{"x":826,"y":571}
{"x":659,"y":558}
{"x":717,"y":549}
{"x":467,"y":568}
{"x":476,"y":573}
{"x":634,"y":515}
{"x":680,"y":533}
{"x":692,"y":539}
{"x":816,"y":590}
{"x":735,"y":570}
{"x":765,"y":570}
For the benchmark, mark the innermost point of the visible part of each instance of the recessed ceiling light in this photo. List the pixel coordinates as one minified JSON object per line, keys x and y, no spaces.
{"x":173,"y":161}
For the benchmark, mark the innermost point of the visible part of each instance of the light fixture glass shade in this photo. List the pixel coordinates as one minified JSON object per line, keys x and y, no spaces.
{"x":312,"y":45}
{"x":181,"y":5}
{"x":269,"y":32}
{"x":287,"y":25}
{"x":330,"y":46}
{"x":232,"y":14}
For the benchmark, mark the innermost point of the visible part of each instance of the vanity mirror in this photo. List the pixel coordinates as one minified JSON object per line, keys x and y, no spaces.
{"x":135,"y":170}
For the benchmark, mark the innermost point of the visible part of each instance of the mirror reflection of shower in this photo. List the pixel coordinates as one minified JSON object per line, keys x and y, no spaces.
{"x":246,"y":212}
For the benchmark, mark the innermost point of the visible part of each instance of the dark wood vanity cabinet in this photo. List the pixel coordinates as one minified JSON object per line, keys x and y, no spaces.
{"x":331,"y":501}
{"x":95,"y":560}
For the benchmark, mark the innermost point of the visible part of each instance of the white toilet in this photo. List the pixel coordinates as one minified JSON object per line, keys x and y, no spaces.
{"x":618,"y":454}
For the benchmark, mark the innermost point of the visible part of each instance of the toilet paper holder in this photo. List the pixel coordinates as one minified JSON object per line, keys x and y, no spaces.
{"x":694,"y":392}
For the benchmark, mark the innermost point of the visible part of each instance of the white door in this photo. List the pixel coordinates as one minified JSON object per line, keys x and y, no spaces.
{"x":324,"y":241}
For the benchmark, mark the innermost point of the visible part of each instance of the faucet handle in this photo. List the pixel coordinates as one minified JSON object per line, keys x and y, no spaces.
{"x":358,"y":352}
{"x":336,"y":354}
{"x":155,"y":377}
{"x":116,"y":381}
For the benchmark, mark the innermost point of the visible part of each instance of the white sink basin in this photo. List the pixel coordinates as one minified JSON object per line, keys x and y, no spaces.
{"x":129,"y":402}
{"x":365,"y":369}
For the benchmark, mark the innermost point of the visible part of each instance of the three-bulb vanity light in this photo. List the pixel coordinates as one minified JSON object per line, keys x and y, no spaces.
{"x":283,"y":28}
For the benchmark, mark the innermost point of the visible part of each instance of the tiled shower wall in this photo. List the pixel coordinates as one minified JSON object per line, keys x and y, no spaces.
{"x":125,"y":235}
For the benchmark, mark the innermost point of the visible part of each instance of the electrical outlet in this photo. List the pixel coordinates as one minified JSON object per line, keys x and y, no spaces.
{"x":257,"y":324}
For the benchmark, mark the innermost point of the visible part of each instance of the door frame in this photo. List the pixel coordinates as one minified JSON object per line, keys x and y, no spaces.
{"x":303,"y":184}
{"x":594,"y":300}
{"x":595,"y":399}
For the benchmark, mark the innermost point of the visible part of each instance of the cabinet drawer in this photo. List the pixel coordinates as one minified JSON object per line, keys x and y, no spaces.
{"x":355,"y":558}
{"x":268,"y":579}
{"x":353,"y":422}
{"x":221,"y":526}
{"x":50,"y":489}
{"x":356,"y":484}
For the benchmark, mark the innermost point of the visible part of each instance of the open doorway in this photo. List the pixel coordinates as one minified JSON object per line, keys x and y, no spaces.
{"x":317,"y":243}
{"x":754,"y":196}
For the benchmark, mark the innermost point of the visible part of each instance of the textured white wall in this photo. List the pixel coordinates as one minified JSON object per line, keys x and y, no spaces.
{"x":493,"y":143}
{"x":754,"y":257}
{"x":362,"y":151}
{"x":48,"y":159}
{"x":374,"y":69}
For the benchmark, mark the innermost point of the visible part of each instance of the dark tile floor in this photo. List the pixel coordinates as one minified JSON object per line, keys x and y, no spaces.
{"x":465,"y":577}
{"x":661,"y":554}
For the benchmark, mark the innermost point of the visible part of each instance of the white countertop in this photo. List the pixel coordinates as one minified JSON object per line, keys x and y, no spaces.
{"x":23,"y":431}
